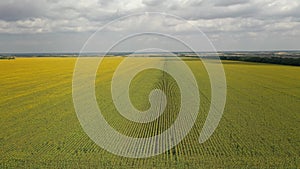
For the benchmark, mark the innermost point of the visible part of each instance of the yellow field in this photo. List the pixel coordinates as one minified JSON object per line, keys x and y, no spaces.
{"x":39,"y":127}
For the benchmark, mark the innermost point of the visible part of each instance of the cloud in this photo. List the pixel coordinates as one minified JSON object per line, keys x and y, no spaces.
{"x":151,"y":2}
{"x":68,"y":14}
{"x":220,"y":19}
{"x":229,"y":2}
{"x":14,"y":10}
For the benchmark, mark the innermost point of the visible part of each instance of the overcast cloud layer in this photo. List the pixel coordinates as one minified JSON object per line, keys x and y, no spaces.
{"x":63,"y":26}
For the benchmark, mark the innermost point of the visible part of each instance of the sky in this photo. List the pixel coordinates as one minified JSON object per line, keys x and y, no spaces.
{"x":65,"y":26}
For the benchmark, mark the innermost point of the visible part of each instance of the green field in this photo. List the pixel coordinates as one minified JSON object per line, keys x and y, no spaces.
{"x":39,"y":127}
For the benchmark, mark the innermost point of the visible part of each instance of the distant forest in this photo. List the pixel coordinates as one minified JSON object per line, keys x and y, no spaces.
{"x":7,"y":57}
{"x":272,"y":60}
{"x":272,"y":57}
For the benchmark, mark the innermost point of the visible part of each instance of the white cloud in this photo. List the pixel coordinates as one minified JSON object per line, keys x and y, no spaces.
{"x":50,"y":14}
{"x":235,"y":18}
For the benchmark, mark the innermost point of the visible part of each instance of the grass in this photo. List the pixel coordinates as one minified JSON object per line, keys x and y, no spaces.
{"x":39,"y":127}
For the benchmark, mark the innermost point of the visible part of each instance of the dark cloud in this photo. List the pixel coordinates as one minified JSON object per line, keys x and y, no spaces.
{"x":229,"y":2}
{"x":235,"y":18}
{"x":220,"y":12}
{"x":152,"y":2}
{"x":21,"y":9}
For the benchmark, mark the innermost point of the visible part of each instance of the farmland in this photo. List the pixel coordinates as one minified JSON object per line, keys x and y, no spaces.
{"x":39,"y":127}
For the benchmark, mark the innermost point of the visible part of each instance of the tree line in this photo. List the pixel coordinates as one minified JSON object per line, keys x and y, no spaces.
{"x":272,"y":60}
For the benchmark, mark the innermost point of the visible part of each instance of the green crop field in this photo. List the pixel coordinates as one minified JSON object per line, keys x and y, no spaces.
{"x":39,"y":127}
